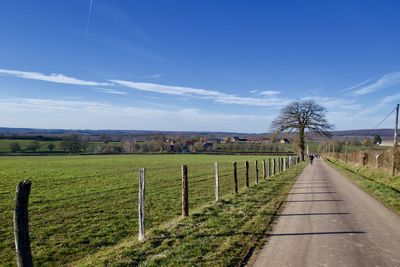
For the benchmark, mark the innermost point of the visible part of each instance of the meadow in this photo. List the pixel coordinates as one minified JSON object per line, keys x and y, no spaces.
{"x":81,"y":204}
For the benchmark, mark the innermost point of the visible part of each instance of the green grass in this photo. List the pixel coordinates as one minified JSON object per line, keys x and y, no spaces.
{"x":224,"y":234}
{"x":81,"y":204}
{"x":382,"y":186}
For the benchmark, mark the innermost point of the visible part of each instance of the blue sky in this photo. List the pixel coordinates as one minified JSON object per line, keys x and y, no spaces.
{"x":196,"y":65}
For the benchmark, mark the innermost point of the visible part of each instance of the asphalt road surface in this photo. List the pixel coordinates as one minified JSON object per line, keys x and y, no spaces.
{"x":329,"y":221}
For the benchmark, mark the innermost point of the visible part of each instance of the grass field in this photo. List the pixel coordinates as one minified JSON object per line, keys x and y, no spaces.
{"x":382,"y":186}
{"x":81,"y":204}
{"x":223,"y":234}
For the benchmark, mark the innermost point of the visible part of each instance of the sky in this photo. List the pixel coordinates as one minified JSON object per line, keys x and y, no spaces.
{"x":196,"y":65}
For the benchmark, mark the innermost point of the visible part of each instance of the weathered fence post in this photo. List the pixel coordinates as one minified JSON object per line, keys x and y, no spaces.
{"x":279,"y":165}
{"x":21,"y":224}
{"x":264,"y":169}
{"x":235,"y":180}
{"x":247,"y":174}
{"x":256,"y":174}
{"x":142,"y":177}
{"x":284,"y":164}
{"x":185,"y":191}
{"x":216,"y":181}
{"x":396,"y":160}
{"x":273,"y":166}
{"x":269,"y":167}
{"x":364,"y":159}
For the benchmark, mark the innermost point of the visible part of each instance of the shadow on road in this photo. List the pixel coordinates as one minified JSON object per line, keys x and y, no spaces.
{"x":312,"y":214}
{"x":316,"y":200}
{"x":319,"y":233}
{"x":311,"y":193}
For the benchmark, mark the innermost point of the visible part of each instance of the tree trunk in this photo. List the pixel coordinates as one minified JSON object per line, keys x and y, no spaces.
{"x":301,"y":143}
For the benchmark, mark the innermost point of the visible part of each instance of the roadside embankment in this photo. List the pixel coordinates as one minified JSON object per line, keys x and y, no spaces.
{"x":379,"y":184}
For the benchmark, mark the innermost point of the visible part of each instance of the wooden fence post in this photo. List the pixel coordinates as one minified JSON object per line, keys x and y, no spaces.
{"x":256,"y":174}
{"x":279,"y":165}
{"x":21,"y":224}
{"x":142,"y":177}
{"x":269,"y":167}
{"x":247,"y":173}
{"x":216,"y":181}
{"x":185,"y":191}
{"x":264,"y":169}
{"x":235,"y":180}
{"x":284,"y":164}
{"x":273,"y":166}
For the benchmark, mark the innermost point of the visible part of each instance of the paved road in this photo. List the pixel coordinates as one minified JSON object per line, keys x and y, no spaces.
{"x":328,"y":221}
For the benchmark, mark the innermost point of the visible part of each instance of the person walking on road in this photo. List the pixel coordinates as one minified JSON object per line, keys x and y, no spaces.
{"x":311,"y":157}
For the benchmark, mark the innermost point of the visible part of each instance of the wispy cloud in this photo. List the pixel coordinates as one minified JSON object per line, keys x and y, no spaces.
{"x":217,"y":96}
{"x":390,"y":99}
{"x":51,"y":113}
{"x":269,"y":93}
{"x":167,"y":89}
{"x":335,"y":103}
{"x":54,"y":78}
{"x":381,"y":105}
{"x":252,"y":101}
{"x":367,"y":87}
{"x":357,"y":85}
{"x":154,"y":76}
{"x":109,"y":91}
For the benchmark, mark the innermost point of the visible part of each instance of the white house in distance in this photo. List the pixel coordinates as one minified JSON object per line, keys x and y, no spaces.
{"x":284,"y":141}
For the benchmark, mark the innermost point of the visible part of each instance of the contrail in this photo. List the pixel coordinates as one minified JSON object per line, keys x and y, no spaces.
{"x":88,"y":19}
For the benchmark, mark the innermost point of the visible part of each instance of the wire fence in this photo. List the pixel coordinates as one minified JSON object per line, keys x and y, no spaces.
{"x":97,"y":202}
{"x":387,"y":161}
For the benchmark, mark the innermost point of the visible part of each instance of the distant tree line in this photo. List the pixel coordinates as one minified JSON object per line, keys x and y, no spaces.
{"x":353,"y":144}
{"x":81,"y":144}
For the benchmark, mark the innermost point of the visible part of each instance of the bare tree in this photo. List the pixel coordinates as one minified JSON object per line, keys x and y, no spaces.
{"x":302,"y":117}
{"x":33,"y":146}
{"x":15,"y":147}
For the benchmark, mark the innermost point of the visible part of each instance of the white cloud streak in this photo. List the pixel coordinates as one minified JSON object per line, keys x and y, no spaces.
{"x":356,"y":86}
{"x":154,"y":76}
{"x":217,"y":96}
{"x":269,"y":93}
{"x":54,"y":78}
{"x":109,"y":91}
{"x":335,"y":103}
{"x":50,"y":113}
{"x":385,"y":81}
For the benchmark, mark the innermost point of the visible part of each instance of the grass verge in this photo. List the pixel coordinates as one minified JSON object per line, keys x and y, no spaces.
{"x":223,"y":234}
{"x":380,"y":185}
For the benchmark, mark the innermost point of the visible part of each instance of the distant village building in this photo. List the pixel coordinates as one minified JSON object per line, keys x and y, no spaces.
{"x":238,"y":139}
{"x":235,"y":139}
{"x":284,"y":141}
